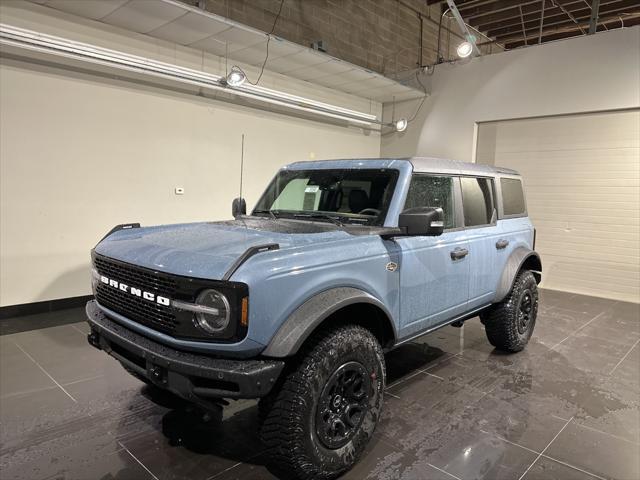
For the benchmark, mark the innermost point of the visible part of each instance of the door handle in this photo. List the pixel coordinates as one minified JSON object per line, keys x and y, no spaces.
{"x":459,"y":253}
{"x":500,"y":244}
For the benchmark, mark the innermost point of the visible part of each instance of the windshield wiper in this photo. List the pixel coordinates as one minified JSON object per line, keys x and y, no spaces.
{"x":271,"y":213}
{"x":326,"y":216}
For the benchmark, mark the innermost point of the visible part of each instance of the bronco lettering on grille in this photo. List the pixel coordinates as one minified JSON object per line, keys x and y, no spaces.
{"x":150,"y":296}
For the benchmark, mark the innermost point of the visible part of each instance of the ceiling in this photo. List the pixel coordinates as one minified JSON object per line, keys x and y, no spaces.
{"x":517,"y":23}
{"x":192,"y":27}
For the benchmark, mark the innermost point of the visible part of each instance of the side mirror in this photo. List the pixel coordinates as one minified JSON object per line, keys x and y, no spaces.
{"x":238,"y":207}
{"x":422,"y":221}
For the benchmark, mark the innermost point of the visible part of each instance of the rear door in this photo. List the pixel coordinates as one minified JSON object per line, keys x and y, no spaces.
{"x":514,"y":224}
{"x":434,"y":283}
{"x":483,"y":234}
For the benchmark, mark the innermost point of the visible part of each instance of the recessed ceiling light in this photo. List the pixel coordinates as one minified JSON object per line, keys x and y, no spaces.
{"x":464,"y":49}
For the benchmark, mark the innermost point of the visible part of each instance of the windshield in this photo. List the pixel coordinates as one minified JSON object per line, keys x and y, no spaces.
{"x":358,"y":196}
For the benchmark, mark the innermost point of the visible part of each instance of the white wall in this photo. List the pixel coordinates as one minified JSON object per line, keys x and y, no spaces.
{"x":80,"y":154}
{"x":585,"y":74}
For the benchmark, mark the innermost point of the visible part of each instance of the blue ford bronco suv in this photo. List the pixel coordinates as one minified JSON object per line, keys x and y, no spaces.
{"x":296,"y":303}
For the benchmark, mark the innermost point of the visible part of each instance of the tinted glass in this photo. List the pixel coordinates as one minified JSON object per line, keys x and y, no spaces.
{"x":477,"y":200}
{"x":426,"y":191}
{"x":512,"y":196}
{"x":359,"y":196}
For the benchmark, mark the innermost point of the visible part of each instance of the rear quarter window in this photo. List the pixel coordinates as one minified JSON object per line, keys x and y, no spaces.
{"x":512,"y":196}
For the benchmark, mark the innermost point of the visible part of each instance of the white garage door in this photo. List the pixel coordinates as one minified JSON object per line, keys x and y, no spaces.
{"x":582,"y":175}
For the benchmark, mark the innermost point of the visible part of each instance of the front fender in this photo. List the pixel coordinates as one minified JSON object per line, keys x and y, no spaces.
{"x":518,"y":258}
{"x":304,"y":320}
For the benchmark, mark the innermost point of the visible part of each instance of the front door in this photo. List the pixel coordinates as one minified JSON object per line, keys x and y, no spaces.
{"x":434,"y":271}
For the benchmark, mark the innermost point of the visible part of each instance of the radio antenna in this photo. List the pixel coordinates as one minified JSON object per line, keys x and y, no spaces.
{"x":241,"y":164}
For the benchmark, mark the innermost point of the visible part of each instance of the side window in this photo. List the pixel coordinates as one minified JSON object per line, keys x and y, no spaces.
{"x":477,"y":200}
{"x":427,"y":191}
{"x":512,"y":196}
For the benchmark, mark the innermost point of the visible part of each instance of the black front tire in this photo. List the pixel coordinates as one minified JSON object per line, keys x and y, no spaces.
{"x":318,"y":422}
{"x":509,"y":324}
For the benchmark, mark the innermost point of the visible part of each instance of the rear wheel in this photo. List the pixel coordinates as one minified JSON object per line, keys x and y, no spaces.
{"x":317,"y":424}
{"x":509,"y":324}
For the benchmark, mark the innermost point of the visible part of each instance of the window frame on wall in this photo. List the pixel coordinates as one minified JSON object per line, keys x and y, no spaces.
{"x":492,"y":183}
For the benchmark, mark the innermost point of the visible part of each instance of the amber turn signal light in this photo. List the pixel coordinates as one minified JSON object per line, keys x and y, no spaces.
{"x":244,"y":312}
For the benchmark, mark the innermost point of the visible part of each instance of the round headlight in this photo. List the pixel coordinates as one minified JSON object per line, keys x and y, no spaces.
{"x":214,"y":317}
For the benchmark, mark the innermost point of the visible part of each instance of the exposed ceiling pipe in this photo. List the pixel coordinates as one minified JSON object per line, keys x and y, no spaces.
{"x":595,"y":11}
{"x":61,"y":47}
{"x":567,"y":13}
{"x":524,"y":31}
{"x":541,"y":23}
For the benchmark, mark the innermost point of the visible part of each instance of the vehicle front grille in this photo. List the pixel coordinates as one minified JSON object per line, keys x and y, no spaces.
{"x":134,"y":275}
{"x":135,"y":308}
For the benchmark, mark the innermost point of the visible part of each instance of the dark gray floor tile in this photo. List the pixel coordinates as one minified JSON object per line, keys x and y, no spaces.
{"x":183,"y":446}
{"x":527,"y":425}
{"x":548,"y":384}
{"x":628,"y":369}
{"x":554,"y":297}
{"x":591,"y":354}
{"x":387,"y":462}
{"x":24,"y":415}
{"x":18,"y":373}
{"x":587,"y":304}
{"x":90,"y":454}
{"x":627,"y":311}
{"x":64,"y":353}
{"x":482,"y":376}
{"x":547,"y":469}
{"x":612,"y":407}
{"x":472,"y":454}
{"x":107,"y":387}
{"x":596,"y":453}
{"x":407,"y":359}
{"x":447,"y":341}
{"x":556,"y":324}
{"x":83,"y":326}
{"x":611,"y":326}
{"x":428,"y":409}
{"x":246,"y":471}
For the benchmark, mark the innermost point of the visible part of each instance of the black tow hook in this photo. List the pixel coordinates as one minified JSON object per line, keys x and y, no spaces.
{"x":158,"y":374}
{"x":94,"y":339}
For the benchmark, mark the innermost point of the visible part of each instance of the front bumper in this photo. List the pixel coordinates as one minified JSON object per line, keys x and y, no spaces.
{"x":192,"y":376}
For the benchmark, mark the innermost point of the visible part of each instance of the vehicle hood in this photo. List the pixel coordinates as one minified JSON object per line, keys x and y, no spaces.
{"x":208,"y":250}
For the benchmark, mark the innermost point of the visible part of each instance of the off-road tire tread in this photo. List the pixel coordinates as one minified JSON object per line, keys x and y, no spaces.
{"x":278,"y":415}
{"x":500,"y":320}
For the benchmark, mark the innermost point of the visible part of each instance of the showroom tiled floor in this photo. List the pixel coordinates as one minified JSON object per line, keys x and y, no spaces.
{"x":568,"y":407}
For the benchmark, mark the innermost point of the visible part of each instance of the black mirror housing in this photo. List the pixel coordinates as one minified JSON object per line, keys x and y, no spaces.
{"x":422,"y":221}
{"x":238,"y":207}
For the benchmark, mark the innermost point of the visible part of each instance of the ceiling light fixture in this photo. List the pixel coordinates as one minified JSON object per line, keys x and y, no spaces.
{"x":401,"y":125}
{"x":464,"y":49}
{"x":236,"y":77}
{"x":234,"y":83}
